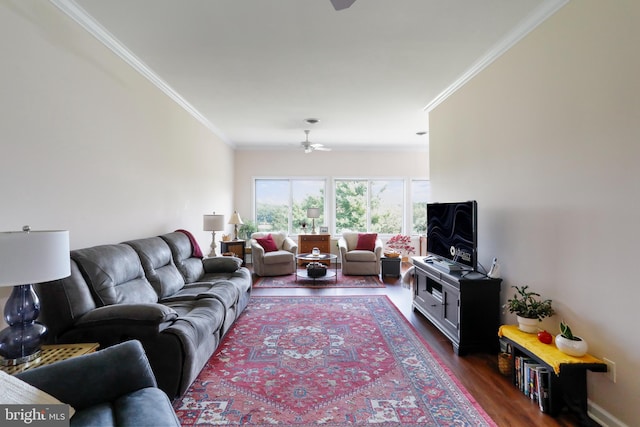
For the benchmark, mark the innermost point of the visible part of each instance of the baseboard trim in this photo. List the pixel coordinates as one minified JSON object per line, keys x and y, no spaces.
{"x":602,"y":417}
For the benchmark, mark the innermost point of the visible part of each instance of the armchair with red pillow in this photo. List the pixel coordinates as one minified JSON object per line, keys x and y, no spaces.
{"x":360,"y":253}
{"x":273,"y":254}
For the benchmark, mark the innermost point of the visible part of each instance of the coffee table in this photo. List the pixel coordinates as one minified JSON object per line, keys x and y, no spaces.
{"x":307,"y":258}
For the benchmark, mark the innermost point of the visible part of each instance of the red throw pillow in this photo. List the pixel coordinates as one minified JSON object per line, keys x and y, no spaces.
{"x":267,"y":243}
{"x":366,"y":241}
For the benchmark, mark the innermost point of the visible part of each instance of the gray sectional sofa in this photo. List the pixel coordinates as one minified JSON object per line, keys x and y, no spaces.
{"x":153,"y":290}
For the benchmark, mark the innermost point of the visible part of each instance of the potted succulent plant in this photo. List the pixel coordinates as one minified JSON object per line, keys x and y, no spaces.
{"x":570,"y":344}
{"x":529,"y":308}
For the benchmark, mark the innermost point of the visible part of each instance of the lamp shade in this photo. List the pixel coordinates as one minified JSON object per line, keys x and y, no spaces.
{"x":28,"y":257}
{"x":213,"y":222}
{"x":313,"y":213}
{"x":235,"y":219}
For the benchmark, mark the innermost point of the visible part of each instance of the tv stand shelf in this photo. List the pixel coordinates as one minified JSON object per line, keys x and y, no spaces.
{"x":464,"y":305}
{"x":567,"y":374}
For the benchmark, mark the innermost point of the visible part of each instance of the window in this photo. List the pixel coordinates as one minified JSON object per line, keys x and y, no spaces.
{"x":420,"y":196}
{"x":369,"y":205}
{"x":281,"y":204}
{"x":383,"y":206}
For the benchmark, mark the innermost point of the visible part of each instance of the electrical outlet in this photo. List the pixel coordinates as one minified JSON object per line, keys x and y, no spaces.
{"x":611,"y":369}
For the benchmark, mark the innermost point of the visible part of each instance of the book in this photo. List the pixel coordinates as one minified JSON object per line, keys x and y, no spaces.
{"x":543,"y":388}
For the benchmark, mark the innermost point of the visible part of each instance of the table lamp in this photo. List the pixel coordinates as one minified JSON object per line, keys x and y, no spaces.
{"x":28,"y":257}
{"x":235,"y":220}
{"x":213,"y":223}
{"x":313,"y":213}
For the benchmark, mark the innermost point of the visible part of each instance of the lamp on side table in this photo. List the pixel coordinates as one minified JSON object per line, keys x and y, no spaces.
{"x":236,"y":221}
{"x":213,"y":223}
{"x":313,"y":213}
{"x":28,"y":257}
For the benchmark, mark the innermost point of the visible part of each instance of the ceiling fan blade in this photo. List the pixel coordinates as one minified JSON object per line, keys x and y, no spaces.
{"x":322,"y":148}
{"x":342,"y":4}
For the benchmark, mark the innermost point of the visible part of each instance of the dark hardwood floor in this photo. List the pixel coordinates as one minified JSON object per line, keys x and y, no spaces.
{"x":479,"y":374}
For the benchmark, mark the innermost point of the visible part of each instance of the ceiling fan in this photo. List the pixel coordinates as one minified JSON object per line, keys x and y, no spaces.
{"x":309,"y":147}
{"x":342,"y":4}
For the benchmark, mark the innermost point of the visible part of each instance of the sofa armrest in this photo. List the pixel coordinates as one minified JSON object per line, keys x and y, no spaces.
{"x":221,"y":264}
{"x":126,"y":320}
{"x":342,"y":246}
{"x":256,"y":249}
{"x":290,"y":245}
{"x":378,"y":247}
{"x":94,"y":378}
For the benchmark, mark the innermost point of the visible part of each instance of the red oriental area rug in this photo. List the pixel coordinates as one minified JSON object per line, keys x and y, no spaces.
{"x":331,"y":361}
{"x":290,"y":281}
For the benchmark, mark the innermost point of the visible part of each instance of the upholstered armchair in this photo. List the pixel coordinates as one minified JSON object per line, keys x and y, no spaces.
{"x":360,"y":253}
{"x":113,"y":386}
{"x":275,"y":256}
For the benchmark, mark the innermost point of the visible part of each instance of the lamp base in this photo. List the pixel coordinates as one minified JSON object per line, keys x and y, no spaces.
{"x":20,"y":360}
{"x":212,"y":253}
{"x":20,"y":342}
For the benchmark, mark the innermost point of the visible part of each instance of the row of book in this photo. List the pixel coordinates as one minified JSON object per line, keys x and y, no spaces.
{"x":532,"y":379}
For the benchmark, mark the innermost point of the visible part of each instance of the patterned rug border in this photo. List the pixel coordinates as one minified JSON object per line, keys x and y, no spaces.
{"x":427,"y":347}
{"x":319,"y":283}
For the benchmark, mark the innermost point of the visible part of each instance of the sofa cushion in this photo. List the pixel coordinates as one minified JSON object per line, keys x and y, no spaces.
{"x":277,"y":257}
{"x":114,"y":274}
{"x":197,"y":320}
{"x":366,"y":242}
{"x":241,"y":278}
{"x":222,"y":264}
{"x":157,"y":262}
{"x":189,"y":266}
{"x":224,"y":291}
{"x":66,"y":300}
{"x":101,"y":414}
{"x":360,"y":256}
{"x":267,"y":243}
{"x":144,"y":407}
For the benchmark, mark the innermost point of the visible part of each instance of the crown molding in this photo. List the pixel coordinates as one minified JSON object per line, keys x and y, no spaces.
{"x":548,"y":8}
{"x":79,"y":15}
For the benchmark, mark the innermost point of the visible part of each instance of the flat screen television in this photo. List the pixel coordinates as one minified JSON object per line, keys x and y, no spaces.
{"x":452,"y":232}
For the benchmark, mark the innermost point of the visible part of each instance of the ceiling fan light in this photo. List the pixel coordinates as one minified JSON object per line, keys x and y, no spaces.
{"x":342,"y":4}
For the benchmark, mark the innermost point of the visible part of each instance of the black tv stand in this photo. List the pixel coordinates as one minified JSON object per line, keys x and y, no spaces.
{"x":463,"y":305}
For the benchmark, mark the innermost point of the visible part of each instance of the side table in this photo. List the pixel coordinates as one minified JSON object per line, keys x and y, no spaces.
{"x":238,"y":247}
{"x":390,"y":266}
{"x":52,"y":353}
{"x":306,"y":243}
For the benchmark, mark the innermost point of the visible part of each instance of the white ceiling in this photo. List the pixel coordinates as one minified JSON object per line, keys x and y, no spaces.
{"x":254,"y":70}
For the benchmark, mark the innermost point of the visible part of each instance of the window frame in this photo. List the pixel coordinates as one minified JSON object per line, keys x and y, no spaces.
{"x":329,"y":213}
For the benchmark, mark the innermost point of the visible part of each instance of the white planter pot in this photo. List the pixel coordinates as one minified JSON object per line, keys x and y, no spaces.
{"x":527,"y":325}
{"x":571,"y":347}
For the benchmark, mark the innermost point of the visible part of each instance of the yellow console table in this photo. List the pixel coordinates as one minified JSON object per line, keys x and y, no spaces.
{"x":568,"y":383}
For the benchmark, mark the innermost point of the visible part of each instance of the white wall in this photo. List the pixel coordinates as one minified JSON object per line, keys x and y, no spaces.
{"x":90,"y":146}
{"x":547,"y":140}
